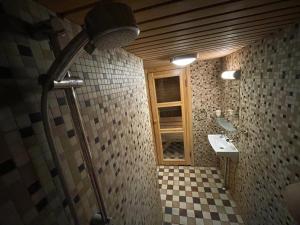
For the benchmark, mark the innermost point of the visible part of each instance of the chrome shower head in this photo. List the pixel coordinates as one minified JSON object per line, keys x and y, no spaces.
{"x":111,"y":25}
{"x":108,"y":25}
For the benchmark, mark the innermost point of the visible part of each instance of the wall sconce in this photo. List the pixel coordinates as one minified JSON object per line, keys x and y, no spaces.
{"x":231,"y":74}
{"x":183,"y":60}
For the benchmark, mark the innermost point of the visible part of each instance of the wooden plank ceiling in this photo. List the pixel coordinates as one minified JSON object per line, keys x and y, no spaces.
{"x":211,"y":28}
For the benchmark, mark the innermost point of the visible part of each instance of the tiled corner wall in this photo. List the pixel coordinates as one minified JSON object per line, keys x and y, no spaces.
{"x":115,"y":111}
{"x":31,"y":191}
{"x":116,"y":116}
{"x":206,"y":99}
{"x":267,"y":99}
{"x":114,"y":107}
{"x":269,"y":113}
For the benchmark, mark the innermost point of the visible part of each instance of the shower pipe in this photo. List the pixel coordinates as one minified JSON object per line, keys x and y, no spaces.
{"x":86,"y":150}
{"x":57,"y":72}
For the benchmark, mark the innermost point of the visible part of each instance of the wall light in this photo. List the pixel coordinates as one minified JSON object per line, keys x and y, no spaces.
{"x":184,"y":60}
{"x":231,"y":74}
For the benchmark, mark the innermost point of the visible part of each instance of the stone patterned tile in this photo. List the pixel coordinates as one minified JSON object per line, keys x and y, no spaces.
{"x":269,"y":113}
{"x":200,"y":199}
{"x":268,"y":106}
{"x":114,"y":107}
{"x":29,"y":178}
{"x":206,"y":99}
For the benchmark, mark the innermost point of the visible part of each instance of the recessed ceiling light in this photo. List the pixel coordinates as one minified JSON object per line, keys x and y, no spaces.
{"x":184,"y":60}
{"x":231,"y":74}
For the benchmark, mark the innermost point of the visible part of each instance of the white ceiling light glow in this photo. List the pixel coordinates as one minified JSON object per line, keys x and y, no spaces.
{"x":231,"y":74}
{"x":184,"y":60}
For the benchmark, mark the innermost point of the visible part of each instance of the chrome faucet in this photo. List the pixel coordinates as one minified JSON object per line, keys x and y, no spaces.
{"x":222,"y":134}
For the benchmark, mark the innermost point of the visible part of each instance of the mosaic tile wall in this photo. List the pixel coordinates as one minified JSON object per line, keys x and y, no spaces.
{"x":68,"y":144}
{"x":269,"y":112}
{"x":206,"y":99}
{"x":115,"y":111}
{"x":31,"y":192}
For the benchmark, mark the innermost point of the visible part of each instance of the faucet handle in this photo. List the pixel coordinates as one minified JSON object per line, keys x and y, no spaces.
{"x":222,"y":134}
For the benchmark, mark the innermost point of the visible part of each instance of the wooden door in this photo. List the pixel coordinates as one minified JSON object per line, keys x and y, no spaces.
{"x":168,"y":97}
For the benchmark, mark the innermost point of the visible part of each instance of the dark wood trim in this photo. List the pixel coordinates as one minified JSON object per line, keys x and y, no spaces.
{"x":215,"y":32}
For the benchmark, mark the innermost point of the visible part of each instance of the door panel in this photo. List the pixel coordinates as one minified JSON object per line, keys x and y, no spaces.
{"x":167,"y":97}
{"x":173,"y":146}
{"x":170,"y":117}
{"x":167,"y":89}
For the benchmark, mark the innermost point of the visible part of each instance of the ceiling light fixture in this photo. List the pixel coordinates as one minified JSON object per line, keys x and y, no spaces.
{"x":184,"y":60}
{"x":231,"y":74}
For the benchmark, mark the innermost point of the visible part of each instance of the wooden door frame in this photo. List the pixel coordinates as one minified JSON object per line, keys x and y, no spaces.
{"x":151,"y":116}
{"x":185,"y":88}
{"x":189,"y":112}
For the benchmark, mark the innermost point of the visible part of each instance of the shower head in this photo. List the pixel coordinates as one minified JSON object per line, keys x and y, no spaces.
{"x":108,"y":25}
{"x":111,"y":25}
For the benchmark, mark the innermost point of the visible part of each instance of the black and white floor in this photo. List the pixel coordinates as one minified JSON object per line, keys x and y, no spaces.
{"x":194,"y":196}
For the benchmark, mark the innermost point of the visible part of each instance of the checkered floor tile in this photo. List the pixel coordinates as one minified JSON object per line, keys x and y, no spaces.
{"x":194,"y":196}
{"x":173,"y":150}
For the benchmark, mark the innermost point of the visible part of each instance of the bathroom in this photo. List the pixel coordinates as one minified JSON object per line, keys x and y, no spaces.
{"x":100,"y":157}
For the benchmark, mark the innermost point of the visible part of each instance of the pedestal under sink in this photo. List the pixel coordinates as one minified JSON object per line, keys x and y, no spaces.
{"x":223,"y":147}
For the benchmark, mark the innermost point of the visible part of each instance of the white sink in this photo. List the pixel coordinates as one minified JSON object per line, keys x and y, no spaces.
{"x":222,"y":147}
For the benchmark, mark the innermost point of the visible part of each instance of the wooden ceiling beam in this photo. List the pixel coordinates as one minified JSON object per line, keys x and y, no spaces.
{"x":145,"y":5}
{"x":78,"y":16}
{"x":199,"y":35}
{"x":204,"y":51}
{"x":153,"y":64}
{"x":199,"y":48}
{"x":175,"y":27}
{"x":159,"y":30}
{"x":76,"y":11}
{"x":193,"y":48}
{"x":209,"y":39}
{"x":177,"y":8}
{"x":204,"y":13}
{"x":136,"y":5}
{"x":255,"y":19}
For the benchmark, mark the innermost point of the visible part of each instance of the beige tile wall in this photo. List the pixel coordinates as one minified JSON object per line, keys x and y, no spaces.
{"x":206,"y":99}
{"x":30,"y":189}
{"x":269,"y":107}
{"x":269,"y":113}
{"x":116,"y":116}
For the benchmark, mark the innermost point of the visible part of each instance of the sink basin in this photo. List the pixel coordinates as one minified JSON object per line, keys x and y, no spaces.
{"x":222,"y":147}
